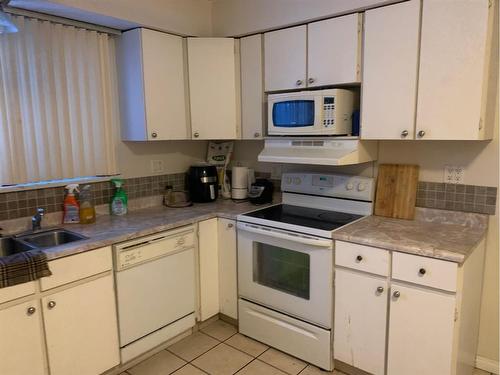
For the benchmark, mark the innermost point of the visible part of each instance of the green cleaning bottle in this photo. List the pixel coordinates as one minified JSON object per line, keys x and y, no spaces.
{"x":119,"y":202}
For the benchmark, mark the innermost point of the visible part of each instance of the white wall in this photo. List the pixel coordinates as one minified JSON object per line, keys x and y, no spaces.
{"x":240,"y":17}
{"x":185,"y":17}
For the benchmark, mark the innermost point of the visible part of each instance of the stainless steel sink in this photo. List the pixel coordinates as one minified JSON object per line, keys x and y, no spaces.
{"x":9,"y":246}
{"x":50,"y":238}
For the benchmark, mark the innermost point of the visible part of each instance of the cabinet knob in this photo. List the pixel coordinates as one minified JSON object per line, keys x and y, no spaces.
{"x":196,"y":135}
{"x":154,"y":134}
{"x":31,"y":310}
{"x":230,"y":225}
{"x":422,"y":271}
{"x":421,"y":133}
{"x":256,"y":135}
{"x":380,"y":290}
{"x":51,"y":304}
{"x":404,"y":133}
{"x":359,"y":258}
{"x":311,"y":80}
{"x":396,"y":294}
{"x":299,"y":82}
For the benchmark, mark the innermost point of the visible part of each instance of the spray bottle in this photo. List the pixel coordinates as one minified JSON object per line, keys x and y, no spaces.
{"x":87,"y":209}
{"x":119,"y":202}
{"x":71,"y":207}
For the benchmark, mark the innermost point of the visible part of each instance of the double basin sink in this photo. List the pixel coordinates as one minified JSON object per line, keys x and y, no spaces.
{"x":37,"y":240}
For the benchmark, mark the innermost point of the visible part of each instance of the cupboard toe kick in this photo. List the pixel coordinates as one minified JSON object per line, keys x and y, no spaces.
{"x":419,"y":318}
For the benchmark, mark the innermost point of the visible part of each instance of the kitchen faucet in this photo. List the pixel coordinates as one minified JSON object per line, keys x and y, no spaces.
{"x":36,"y":220}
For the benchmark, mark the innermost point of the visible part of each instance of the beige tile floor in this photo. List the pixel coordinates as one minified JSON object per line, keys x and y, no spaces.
{"x":219,"y":349}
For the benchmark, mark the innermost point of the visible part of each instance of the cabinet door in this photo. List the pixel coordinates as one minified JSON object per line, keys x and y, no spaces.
{"x":334,"y":49}
{"x":228,"y":289}
{"x":421,"y":327}
{"x":209,"y":268}
{"x":452,"y":63}
{"x":360,"y":320}
{"x":21,"y":342}
{"x":153,"y":86}
{"x":81,"y":328}
{"x":390,"y":63}
{"x":252,"y":90}
{"x":285,"y":58}
{"x":164,"y":85}
{"x":214,"y":84}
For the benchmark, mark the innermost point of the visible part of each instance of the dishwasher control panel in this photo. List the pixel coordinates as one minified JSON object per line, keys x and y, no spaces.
{"x":140,"y":250}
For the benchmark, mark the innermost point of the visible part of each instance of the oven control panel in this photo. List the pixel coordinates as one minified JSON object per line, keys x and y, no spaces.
{"x":329,"y":185}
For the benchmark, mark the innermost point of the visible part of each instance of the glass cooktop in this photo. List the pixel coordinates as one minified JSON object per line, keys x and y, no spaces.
{"x":305,"y":216}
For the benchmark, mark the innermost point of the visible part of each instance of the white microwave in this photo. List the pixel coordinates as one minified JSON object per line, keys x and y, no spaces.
{"x":322,"y":112}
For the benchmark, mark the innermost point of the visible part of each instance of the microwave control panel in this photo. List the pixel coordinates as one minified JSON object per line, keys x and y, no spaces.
{"x":328,"y":111}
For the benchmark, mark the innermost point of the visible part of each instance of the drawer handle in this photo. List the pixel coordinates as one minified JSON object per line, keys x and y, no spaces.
{"x":359,"y":258}
{"x":31,"y":310}
{"x":51,"y":304}
{"x":380,"y":290}
{"x":396,"y":294}
{"x":422,"y":271}
{"x":230,"y":225}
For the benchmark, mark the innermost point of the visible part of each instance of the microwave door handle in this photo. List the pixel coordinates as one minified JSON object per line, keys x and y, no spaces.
{"x":271,"y":233}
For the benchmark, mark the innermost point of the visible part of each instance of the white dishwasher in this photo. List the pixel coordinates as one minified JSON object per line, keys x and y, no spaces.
{"x":155,"y":284}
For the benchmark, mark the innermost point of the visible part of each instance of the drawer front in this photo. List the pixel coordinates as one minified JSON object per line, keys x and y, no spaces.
{"x":362,"y":258}
{"x":425,"y":271}
{"x":17,"y":291}
{"x":76,"y":267}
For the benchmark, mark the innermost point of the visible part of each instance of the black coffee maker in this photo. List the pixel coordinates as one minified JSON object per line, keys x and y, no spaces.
{"x":203,"y":183}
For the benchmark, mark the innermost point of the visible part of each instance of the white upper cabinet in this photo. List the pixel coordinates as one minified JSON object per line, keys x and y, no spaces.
{"x":285,"y":54}
{"x":453,"y":76}
{"x":153,"y":86}
{"x":214,"y":85}
{"x":334,"y":51}
{"x":390,"y":64}
{"x":252,"y":87}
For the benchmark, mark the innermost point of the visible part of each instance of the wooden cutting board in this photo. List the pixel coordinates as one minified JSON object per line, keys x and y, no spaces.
{"x":396,"y":191}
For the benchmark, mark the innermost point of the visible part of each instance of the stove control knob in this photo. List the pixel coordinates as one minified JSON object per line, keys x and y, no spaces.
{"x":288,"y":180}
{"x":297,"y":181}
{"x":361,"y":186}
{"x":349,"y":186}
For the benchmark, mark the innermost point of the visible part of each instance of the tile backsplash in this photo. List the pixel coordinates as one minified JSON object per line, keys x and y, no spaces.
{"x":14,"y":205}
{"x":455,"y":197}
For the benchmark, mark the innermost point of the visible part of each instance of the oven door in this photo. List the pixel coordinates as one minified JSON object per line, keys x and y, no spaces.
{"x":286,"y":271}
{"x":294,"y":114}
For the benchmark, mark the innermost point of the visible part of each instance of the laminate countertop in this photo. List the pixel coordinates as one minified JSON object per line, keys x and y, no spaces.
{"x":110,"y":230}
{"x":447,"y":235}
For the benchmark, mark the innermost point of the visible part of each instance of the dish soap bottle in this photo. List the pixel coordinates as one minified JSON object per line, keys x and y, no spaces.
{"x":119,"y":201}
{"x":87,"y":210}
{"x":71,"y":207}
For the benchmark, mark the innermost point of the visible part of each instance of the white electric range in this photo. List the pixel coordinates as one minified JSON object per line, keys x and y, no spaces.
{"x":285,"y":262}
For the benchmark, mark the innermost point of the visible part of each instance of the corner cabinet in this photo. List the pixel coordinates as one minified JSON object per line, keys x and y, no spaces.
{"x":214,"y":84}
{"x":153,"y":86}
{"x":430,"y":71}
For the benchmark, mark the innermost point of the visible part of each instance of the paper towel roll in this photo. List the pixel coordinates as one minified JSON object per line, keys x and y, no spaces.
{"x":239,"y":178}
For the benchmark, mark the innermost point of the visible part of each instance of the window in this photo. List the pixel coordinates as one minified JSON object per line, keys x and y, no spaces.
{"x":58,"y":109}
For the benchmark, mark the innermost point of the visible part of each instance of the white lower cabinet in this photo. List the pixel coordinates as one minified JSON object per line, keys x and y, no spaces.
{"x":21,"y":340}
{"x":421,"y":328}
{"x":228,"y":289}
{"x":81,"y":328}
{"x":360,"y":320}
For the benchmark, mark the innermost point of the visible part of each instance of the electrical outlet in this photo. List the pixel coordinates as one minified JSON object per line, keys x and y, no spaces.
{"x":276,"y":172}
{"x":454,"y":174}
{"x":156,"y":166}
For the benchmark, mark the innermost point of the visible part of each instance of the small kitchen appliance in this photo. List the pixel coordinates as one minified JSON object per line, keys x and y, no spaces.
{"x":261,"y":191}
{"x":285,"y":262}
{"x":239,"y":182}
{"x":203,"y":183}
{"x":321,"y":112}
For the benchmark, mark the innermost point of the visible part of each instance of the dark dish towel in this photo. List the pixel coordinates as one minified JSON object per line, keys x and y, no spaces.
{"x":23,"y":267}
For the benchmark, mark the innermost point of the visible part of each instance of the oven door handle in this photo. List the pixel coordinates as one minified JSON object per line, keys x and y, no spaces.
{"x":290,"y":237}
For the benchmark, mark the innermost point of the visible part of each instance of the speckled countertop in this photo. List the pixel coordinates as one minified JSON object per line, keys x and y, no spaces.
{"x":441,"y":234}
{"x":109,"y":230}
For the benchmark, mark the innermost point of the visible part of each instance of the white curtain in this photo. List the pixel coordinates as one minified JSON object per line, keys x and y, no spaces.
{"x":58,"y":107}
